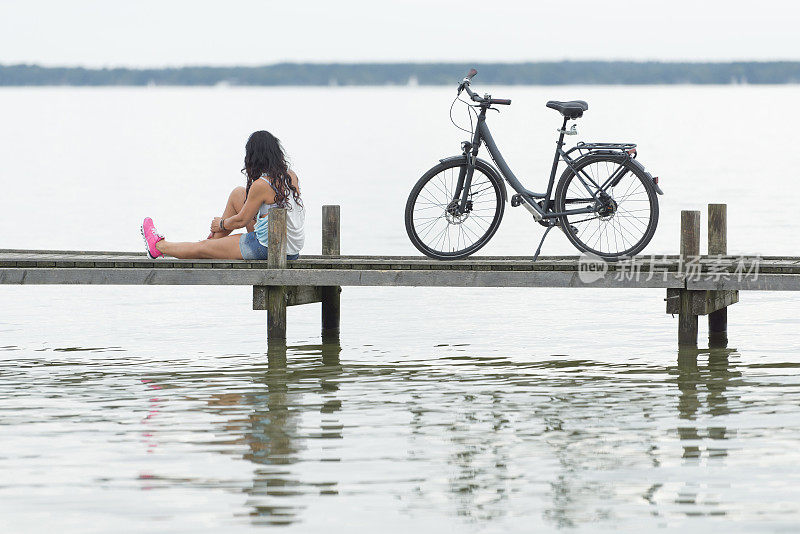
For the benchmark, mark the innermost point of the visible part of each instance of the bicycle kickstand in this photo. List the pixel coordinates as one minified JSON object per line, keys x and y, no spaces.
{"x":538,"y":250}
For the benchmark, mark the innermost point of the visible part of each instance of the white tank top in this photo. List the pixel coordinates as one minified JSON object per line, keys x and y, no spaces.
{"x":295,"y":223}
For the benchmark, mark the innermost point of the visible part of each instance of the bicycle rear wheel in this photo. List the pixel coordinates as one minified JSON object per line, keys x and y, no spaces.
{"x":433,"y":223}
{"x":628,"y":215}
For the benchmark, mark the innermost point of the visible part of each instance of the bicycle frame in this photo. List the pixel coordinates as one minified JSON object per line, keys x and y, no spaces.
{"x":543,"y":211}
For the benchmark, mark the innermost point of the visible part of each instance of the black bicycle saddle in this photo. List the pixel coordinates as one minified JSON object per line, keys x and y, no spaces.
{"x":571,"y":110}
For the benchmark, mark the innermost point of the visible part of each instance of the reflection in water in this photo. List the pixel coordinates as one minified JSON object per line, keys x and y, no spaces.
{"x":586,"y":436}
{"x":714,"y":378}
{"x":273,"y":429}
{"x":564,"y":442}
{"x":479,"y":481}
{"x":702,"y":444}
{"x":155,"y":407}
{"x":595,"y":421}
{"x":274,"y":434}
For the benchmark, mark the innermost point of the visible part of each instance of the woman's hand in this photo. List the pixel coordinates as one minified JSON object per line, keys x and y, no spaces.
{"x":215,"y":225}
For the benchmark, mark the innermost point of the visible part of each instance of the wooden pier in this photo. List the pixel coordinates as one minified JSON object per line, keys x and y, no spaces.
{"x":695,"y":285}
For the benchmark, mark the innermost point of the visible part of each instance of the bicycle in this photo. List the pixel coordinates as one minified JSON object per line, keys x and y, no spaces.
{"x":605,"y":201}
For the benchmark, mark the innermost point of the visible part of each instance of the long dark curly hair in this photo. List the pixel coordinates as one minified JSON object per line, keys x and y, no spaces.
{"x":263,"y":154}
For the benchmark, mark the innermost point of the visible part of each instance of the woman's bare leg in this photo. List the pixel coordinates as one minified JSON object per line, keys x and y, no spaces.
{"x":224,"y":248}
{"x":232,"y":207}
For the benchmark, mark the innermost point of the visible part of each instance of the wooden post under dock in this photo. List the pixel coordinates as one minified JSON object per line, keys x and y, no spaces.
{"x":688,"y":302}
{"x":718,"y":246}
{"x":690,"y":248}
{"x":276,"y":298}
{"x":276,"y":259}
{"x":331,"y":246}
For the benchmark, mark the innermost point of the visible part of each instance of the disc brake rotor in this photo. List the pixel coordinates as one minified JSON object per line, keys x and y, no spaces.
{"x":452,"y":213}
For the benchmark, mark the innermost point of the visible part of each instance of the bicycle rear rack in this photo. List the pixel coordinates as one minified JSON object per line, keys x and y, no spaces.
{"x":587,"y":148}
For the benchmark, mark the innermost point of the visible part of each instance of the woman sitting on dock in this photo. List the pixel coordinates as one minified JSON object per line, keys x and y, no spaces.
{"x":270,"y":183}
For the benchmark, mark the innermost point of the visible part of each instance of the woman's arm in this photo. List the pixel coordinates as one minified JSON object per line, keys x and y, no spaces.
{"x":260,"y":192}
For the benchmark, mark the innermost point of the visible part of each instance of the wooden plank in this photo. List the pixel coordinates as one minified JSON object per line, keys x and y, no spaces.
{"x":713,"y":301}
{"x":702,"y":302}
{"x":709,"y":265}
{"x":4,"y":252}
{"x":47,"y":255}
{"x":295,"y":296}
{"x":299,"y":295}
{"x":762,"y":282}
{"x":328,"y":277}
{"x":70,"y":252}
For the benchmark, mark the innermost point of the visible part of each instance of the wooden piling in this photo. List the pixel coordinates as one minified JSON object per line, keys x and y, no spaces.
{"x":276,"y":259}
{"x":718,"y":244}
{"x":331,"y":246}
{"x":690,"y":250}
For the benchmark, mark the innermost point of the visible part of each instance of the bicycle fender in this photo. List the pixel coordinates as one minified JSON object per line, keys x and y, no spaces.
{"x":641,"y":168}
{"x":485,"y":166}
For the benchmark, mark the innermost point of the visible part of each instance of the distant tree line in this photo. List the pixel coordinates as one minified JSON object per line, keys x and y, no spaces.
{"x":538,"y":73}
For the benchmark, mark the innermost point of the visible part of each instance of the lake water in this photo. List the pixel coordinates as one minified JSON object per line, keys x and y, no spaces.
{"x":159,"y":409}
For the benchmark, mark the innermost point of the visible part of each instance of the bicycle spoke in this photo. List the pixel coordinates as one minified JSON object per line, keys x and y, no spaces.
{"x":627,"y":243}
{"x":430,"y":227}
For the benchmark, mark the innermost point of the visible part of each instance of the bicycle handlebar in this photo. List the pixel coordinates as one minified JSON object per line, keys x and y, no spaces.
{"x":464,"y":85}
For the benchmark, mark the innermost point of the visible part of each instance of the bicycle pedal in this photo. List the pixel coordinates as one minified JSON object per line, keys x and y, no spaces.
{"x":516,"y":200}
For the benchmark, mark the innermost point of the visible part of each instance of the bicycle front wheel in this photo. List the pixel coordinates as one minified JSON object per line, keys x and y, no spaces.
{"x":627,"y":215}
{"x":434,"y":224}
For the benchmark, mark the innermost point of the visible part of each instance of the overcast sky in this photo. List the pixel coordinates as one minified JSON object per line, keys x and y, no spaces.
{"x":142,"y":33}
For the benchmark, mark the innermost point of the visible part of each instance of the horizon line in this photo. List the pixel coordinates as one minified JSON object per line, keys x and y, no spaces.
{"x":401,"y":62}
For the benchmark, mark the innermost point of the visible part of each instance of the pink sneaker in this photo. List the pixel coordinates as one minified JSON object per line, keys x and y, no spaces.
{"x":151,"y":237}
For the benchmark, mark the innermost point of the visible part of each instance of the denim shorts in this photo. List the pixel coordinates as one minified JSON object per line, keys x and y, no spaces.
{"x":252,"y":249}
